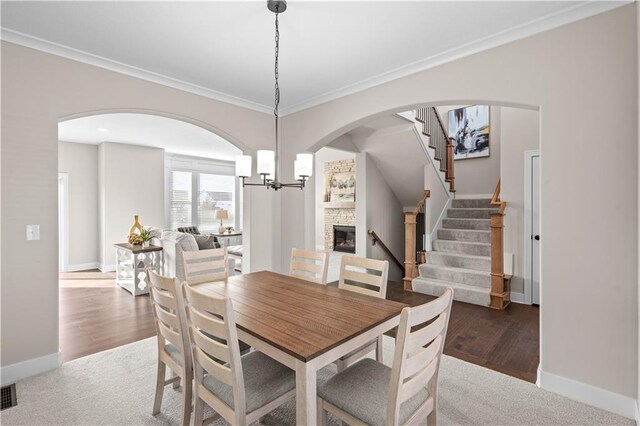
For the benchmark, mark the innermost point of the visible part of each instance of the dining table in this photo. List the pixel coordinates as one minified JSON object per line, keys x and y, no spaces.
{"x":303,"y":325}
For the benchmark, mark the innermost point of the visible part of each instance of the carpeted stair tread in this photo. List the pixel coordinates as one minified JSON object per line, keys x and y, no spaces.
{"x":459,"y":260}
{"x":462,"y":292}
{"x":471,"y":203}
{"x":465,"y":235}
{"x":470,"y":213}
{"x":463,"y":247}
{"x":465,"y":276}
{"x":466,"y":223}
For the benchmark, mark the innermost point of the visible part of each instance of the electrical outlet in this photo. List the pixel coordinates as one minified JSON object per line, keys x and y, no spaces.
{"x":33,"y":232}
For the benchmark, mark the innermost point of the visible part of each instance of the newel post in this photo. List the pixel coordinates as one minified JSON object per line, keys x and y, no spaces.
{"x":410,"y":269}
{"x":500,"y":297}
{"x":450,"y":173}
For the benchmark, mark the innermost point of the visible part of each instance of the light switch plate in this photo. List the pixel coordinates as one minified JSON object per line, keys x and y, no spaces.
{"x":33,"y":232}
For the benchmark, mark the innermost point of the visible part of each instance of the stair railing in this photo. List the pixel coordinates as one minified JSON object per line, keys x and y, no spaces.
{"x":500,"y":284}
{"x":410,"y":221}
{"x":376,"y":239}
{"x":433,"y":127}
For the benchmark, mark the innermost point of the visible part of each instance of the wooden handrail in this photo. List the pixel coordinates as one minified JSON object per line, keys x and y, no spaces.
{"x":410,"y":221}
{"x":384,"y":248}
{"x":500,"y":284}
{"x":495,"y":200}
{"x":421,"y":202}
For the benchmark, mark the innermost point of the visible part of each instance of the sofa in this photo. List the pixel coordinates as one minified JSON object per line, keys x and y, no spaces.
{"x":175,"y":243}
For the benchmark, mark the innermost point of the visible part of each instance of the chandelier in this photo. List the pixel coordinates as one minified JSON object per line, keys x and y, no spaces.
{"x":268,"y":162}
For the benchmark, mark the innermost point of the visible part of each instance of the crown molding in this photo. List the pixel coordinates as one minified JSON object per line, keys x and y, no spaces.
{"x":119,"y":67}
{"x":581,"y":10}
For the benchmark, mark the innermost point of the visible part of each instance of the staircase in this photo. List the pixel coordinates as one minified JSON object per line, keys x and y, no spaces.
{"x":461,"y":256}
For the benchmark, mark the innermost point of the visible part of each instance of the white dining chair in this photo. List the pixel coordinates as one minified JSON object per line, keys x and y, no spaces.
{"x":309,"y":265}
{"x":173,"y":342}
{"x":371,"y":393}
{"x":366,"y":276}
{"x":239,"y":389}
{"x":206,"y":265}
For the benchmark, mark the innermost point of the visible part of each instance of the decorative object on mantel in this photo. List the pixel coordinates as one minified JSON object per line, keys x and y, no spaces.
{"x":135,"y":227}
{"x":222,"y":215}
{"x":343,"y":186}
{"x":268,"y":161}
{"x":469,"y":128}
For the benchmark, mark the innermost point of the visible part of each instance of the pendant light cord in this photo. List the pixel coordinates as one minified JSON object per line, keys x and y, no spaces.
{"x":277,"y":94}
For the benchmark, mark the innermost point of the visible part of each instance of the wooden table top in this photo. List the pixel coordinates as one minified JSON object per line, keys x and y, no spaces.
{"x":137,"y":249}
{"x":300,"y":318}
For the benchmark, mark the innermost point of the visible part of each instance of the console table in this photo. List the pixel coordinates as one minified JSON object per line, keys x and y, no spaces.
{"x":227,"y":237}
{"x":131,"y":263}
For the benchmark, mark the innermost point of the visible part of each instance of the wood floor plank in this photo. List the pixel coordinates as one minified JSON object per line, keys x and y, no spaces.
{"x":96,"y":315}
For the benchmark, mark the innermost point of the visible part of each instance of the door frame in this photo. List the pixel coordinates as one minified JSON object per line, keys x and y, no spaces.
{"x":528,"y":188}
{"x":63,"y":223}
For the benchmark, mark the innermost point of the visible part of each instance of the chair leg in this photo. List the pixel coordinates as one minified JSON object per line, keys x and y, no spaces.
{"x":157,"y":402}
{"x":379,"y":356}
{"x":187,"y":390}
{"x":322,"y":414}
{"x":176,"y":384}
{"x":198,"y":411}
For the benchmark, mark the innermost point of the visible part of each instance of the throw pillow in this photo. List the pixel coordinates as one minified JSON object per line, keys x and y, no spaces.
{"x":206,"y":242}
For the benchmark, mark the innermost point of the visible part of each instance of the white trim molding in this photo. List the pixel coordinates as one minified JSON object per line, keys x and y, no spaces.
{"x":107,"y":268}
{"x":601,"y":398}
{"x":13,"y":372}
{"x":83,"y":266}
{"x":517,"y":297}
{"x":528,"y":290}
{"x":433,"y":235}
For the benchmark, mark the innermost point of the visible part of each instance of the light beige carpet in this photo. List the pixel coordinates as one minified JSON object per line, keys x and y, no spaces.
{"x":116,"y":387}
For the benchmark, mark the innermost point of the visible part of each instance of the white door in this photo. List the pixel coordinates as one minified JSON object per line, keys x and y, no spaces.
{"x":535,"y":230}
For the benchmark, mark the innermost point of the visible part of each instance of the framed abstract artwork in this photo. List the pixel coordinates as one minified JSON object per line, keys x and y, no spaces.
{"x":469,"y":127}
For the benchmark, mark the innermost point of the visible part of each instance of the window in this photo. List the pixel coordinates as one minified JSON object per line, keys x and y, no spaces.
{"x":197,"y":188}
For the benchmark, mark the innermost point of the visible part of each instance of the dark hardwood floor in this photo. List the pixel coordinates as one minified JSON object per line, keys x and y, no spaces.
{"x":96,"y":315}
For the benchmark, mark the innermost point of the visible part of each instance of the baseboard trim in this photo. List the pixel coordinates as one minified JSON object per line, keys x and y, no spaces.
{"x":107,"y":268}
{"x":638,"y":413}
{"x":83,"y":266}
{"x":601,"y":398}
{"x":13,"y":372}
{"x":473,"y":196}
{"x":517,"y":297}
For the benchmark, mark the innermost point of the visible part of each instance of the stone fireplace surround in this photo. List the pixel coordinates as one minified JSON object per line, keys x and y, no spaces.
{"x":336,"y":215}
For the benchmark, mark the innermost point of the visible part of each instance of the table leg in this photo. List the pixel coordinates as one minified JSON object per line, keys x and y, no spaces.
{"x":306,"y":404}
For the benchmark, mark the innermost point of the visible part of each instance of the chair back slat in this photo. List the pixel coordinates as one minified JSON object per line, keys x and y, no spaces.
{"x":169,"y":315}
{"x":417,"y":356}
{"x":206,"y":265}
{"x":309,"y":265}
{"x":366,"y":276}
{"x":213,"y":336}
{"x":217,"y":370}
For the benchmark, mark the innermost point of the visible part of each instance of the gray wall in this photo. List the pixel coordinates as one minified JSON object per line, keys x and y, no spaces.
{"x":40,"y":89}
{"x":131,"y":182}
{"x":477,"y":176}
{"x":80,"y":162}
{"x":579,"y":74}
{"x":520,"y":131}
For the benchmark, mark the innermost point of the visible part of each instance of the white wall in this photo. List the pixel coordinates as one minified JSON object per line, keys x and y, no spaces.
{"x":131,"y":182}
{"x":520,"y":131}
{"x":39,"y":90}
{"x":476,"y":176}
{"x":579,"y":74}
{"x":325,"y":155}
{"x":384,"y":216}
{"x":80,"y":162}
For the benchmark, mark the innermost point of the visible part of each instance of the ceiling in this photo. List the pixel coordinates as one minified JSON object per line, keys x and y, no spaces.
{"x":148,"y":130}
{"x":225,"y":50}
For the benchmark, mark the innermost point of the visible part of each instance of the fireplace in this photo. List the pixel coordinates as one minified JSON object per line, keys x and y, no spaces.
{"x":344,"y":238}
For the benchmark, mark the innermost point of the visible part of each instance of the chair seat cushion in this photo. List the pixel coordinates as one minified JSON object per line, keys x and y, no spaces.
{"x":174,"y":352}
{"x":362,"y":389}
{"x":235,"y":250}
{"x":265,"y":379}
